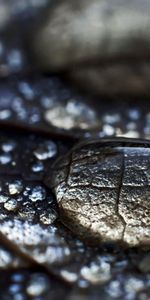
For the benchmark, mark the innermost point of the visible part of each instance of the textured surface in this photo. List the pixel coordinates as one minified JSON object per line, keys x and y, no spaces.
{"x":103,"y":191}
{"x":28,"y":211}
{"x":40,"y":259}
{"x":35,"y":246}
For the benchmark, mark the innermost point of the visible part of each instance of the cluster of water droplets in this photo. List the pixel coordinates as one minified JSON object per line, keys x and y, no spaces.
{"x":45,"y":103}
{"x":110,"y":275}
{"x":25,"y":285}
{"x":27,"y":201}
{"x":34,"y":157}
{"x":7,"y":149}
{"x":43,"y":152}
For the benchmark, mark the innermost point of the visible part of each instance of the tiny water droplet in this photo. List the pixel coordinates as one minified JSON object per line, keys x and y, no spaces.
{"x":48,"y":217}
{"x":15,"y":187}
{"x":11,"y":205}
{"x":37,"y":285}
{"x":45,"y":151}
{"x":37,"y":193}
{"x":5,"y":158}
{"x":38,"y":167}
{"x":8,"y":146}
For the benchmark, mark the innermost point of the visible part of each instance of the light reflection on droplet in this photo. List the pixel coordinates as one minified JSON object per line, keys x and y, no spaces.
{"x":48,"y":217}
{"x":5,"y":114}
{"x":15,"y":187}
{"x":5,"y":158}
{"x":37,"y":285}
{"x":38,"y":167}
{"x":45,"y":151}
{"x":37,"y":193}
{"x":72,"y":114}
{"x":8,"y":146}
{"x":11,"y":205}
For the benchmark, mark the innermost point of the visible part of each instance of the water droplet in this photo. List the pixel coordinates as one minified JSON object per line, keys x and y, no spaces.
{"x":14,"y":288}
{"x":111,"y":119}
{"x":134,"y":285}
{"x":134,"y":114}
{"x":69,"y":276}
{"x":15,"y":60}
{"x":108,"y":130}
{"x":15,"y":187}
{"x":5,"y":158}
{"x":38,"y":167}
{"x":37,"y":193}
{"x":114,"y":289}
{"x":19,"y":296}
{"x":26,"y":90}
{"x":131,"y":134}
{"x":3,"y":198}
{"x":34,"y":118}
{"x":27,"y":213}
{"x":8,"y":146}
{"x":72,"y":114}
{"x":17,"y":277}
{"x":48,"y":217}
{"x":37,"y":285}
{"x":5,"y":114}
{"x":5,"y":258}
{"x":96,"y":273}
{"x":11,"y":205}
{"x":45,"y":151}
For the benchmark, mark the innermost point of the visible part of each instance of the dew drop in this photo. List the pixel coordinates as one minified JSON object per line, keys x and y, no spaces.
{"x":38,"y":167}
{"x":69,"y":276}
{"x":48,"y":217}
{"x":26,"y":90}
{"x":15,"y":187}
{"x":15,"y":60}
{"x":37,"y":193}
{"x":3,"y":198}
{"x":11,"y":205}
{"x":5,"y":258}
{"x":14,"y":288}
{"x":5,"y":114}
{"x":45,"y":151}
{"x":37,"y":285}
{"x":72,"y":114}
{"x":5,"y":158}
{"x":18,"y":277}
{"x":96,"y":273}
{"x":8,"y":147}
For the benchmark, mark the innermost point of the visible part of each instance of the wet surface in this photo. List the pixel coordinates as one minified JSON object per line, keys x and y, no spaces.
{"x":25,"y":285}
{"x":41,"y":118}
{"x":47,"y":105}
{"x":30,"y":226}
